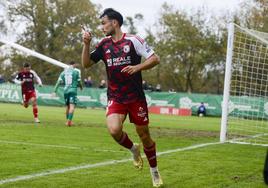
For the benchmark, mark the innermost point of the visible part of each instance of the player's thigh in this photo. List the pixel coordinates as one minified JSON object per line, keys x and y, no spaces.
{"x":116,"y":115}
{"x":66,"y":99}
{"x":25,"y":98}
{"x":30,"y":97}
{"x":73,"y":98}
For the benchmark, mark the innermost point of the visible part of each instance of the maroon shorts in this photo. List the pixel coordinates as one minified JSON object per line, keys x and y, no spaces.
{"x":137,"y":111}
{"x":28,"y":95}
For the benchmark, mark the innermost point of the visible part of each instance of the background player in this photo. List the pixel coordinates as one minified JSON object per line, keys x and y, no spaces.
{"x":26,"y":78}
{"x":71,"y":78}
{"x":122,"y":54}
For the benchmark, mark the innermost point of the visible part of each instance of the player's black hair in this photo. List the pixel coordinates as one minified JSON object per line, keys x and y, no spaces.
{"x":71,"y":63}
{"x":113,"y":15}
{"x":26,"y":65}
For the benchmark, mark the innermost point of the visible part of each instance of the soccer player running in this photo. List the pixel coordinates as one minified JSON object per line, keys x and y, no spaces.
{"x":121,"y":54}
{"x":26,"y":78}
{"x":71,"y":78}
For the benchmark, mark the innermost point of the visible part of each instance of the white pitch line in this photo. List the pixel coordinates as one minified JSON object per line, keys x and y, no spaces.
{"x":34,"y":144}
{"x":114,"y":151}
{"x":58,"y":146}
{"x":88,"y":166}
{"x":187,"y":148}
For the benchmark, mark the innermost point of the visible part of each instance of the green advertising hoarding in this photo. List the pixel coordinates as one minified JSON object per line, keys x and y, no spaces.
{"x":94,"y":97}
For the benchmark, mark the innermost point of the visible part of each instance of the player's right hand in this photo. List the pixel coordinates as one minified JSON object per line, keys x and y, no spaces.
{"x":87,"y":36}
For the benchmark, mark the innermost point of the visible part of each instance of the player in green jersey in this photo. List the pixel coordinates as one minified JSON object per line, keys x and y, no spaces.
{"x":71,"y":79}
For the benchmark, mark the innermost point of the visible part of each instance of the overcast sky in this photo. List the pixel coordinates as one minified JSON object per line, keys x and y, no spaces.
{"x":150,"y":8}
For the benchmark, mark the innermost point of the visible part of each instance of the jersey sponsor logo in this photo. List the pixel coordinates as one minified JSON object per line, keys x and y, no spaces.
{"x":126,"y":48}
{"x":118,"y":61}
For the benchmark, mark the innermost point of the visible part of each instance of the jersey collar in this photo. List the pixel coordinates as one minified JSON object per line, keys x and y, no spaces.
{"x":123,"y":36}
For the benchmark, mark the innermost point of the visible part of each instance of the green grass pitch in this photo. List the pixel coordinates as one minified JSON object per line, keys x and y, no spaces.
{"x":30,"y":149}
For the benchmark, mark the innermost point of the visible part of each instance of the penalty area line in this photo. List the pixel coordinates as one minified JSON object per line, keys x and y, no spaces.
{"x":88,"y":166}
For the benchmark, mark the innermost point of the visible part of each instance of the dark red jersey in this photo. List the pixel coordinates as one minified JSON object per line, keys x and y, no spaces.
{"x":122,"y":87}
{"x":28,"y":78}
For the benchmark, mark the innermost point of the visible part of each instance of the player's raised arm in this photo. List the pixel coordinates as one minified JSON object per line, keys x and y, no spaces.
{"x":86,"y":61}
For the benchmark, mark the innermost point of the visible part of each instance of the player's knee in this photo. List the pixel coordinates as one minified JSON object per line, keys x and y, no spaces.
{"x":143,"y":132}
{"x":145,"y":137}
{"x":115,"y":132}
{"x":116,"y":135}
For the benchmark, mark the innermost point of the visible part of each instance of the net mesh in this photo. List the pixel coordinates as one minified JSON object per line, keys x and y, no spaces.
{"x":248,"y":104}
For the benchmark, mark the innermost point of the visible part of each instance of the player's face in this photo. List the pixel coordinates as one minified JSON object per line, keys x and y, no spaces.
{"x":108,"y":26}
{"x":27,"y":69}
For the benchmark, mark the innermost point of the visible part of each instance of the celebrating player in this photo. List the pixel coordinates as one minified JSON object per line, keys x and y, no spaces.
{"x":71,"y":78}
{"x":121,"y":54}
{"x":26,"y":79}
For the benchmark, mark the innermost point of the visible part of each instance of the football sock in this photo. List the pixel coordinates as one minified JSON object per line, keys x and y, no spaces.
{"x":125,"y":141}
{"x":151,"y":155}
{"x":70,"y":116}
{"x":35,"y":111}
{"x":133,"y":148}
{"x":154,"y":169}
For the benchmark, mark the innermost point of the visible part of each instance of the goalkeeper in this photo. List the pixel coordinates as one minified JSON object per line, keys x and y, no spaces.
{"x":71,"y":79}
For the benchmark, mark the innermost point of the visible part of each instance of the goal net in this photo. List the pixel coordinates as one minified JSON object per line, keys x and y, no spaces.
{"x":245,"y":100}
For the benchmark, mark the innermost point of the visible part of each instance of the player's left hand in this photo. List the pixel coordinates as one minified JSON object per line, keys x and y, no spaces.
{"x":130,"y":69}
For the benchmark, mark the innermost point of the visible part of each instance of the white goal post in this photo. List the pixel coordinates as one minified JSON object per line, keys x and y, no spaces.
{"x":245,"y":98}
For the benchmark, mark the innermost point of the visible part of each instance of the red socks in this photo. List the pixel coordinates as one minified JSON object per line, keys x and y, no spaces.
{"x":149,"y":152}
{"x":125,"y":141}
{"x":35,"y":111}
{"x":151,"y":155}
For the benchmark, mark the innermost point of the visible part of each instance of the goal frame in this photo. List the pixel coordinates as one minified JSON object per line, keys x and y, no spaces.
{"x":228,"y":76}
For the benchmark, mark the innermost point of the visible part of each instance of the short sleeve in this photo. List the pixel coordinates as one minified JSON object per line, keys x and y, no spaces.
{"x":18,"y":77}
{"x":141,"y":47}
{"x":97,"y":54}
